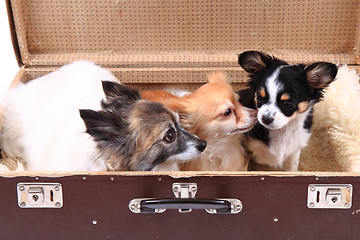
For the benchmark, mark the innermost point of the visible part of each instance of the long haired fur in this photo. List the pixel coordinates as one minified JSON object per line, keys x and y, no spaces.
{"x":213,"y":113}
{"x":114,"y":130}
{"x":134,"y":134}
{"x":42,"y":125}
{"x":334,"y":145}
{"x":284,"y":96}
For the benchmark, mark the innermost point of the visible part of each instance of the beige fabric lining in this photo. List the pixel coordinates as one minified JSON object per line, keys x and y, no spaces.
{"x":156,"y":75}
{"x":199,"y":33}
{"x":179,"y":59}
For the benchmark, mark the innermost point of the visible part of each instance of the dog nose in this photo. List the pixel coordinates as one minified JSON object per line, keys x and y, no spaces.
{"x":267,"y":120}
{"x":202,"y":145}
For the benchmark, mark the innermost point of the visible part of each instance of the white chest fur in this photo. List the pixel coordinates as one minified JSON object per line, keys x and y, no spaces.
{"x":285,"y":144}
{"x":224,"y":153}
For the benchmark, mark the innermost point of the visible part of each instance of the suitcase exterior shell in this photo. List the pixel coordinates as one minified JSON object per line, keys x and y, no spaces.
{"x":96,"y":207}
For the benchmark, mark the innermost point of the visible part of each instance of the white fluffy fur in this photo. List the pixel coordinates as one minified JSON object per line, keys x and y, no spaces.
{"x":18,"y":167}
{"x":42,"y":124}
{"x":224,"y":153}
{"x":335,"y":140}
{"x":285,"y":145}
{"x":343,"y":100}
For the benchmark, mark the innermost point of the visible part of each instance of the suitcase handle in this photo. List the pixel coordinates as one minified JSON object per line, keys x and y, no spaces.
{"x":213,"y":206}
{"x":185,"y":201}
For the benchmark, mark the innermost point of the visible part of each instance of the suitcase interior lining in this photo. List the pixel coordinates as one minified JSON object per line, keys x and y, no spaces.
{"x":160,"y":44}
{"x":185,"y":33}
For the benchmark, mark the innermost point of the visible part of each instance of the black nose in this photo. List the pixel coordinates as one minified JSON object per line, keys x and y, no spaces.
{"x":202,"y":145}
{"x":267,"y":120}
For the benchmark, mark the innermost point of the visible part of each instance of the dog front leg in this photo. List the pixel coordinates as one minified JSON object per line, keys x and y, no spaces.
{"x":292,"y":162}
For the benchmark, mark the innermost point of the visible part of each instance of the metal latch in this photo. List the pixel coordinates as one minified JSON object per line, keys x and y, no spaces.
{"x":40,"y":195}
{"x":331,"y":196}
{"x":184,"y":191}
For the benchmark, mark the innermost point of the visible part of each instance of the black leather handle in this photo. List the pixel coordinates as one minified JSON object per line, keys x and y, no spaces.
{"x":185,"y":201}
{"x":151,"y":205}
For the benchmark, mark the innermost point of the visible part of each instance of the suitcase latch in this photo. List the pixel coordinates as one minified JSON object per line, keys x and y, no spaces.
{"x":331,"y":196}
{"x":184,"y":191}
{"x":39,"y":195}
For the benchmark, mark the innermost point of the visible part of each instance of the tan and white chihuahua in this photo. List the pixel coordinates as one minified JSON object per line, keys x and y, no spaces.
{"x":213,"y":113}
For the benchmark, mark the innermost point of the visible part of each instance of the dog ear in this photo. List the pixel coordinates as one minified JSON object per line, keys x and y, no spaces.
{"x":114,"y":91}
{"x":111,"y":134}
{"x":254,"y":61}
{"x":102,"y":125}
{"x":321,"y":74}
{"x":247,"y":98}
{"x":188,"y":121}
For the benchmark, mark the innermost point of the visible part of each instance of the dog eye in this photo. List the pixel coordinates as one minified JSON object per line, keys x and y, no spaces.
{"x":227,"y":112}
{"x":288,"y":105}
{"x":259,"y":99}
{"x":170,"y":136}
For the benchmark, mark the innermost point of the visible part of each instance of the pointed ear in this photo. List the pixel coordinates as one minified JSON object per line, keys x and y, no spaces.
{"x":115,"y":91}
{"x":103,"y":125}
{"x":321,"y":74}
{"x":254,"y":61}
{"x":217,"y":76}
{"x":187,"y":121}
{"x":181,"y":108}
{"x":247,"y":98}
{"x":111,"y":135}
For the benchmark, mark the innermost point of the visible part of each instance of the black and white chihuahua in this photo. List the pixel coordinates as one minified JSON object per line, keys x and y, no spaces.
{"x":284,"y":95}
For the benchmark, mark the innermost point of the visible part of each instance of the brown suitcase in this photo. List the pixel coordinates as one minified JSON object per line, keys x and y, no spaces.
{"x":156,"y":44}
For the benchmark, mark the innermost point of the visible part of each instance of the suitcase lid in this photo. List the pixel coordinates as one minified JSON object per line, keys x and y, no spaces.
{"x":182,"y":33}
